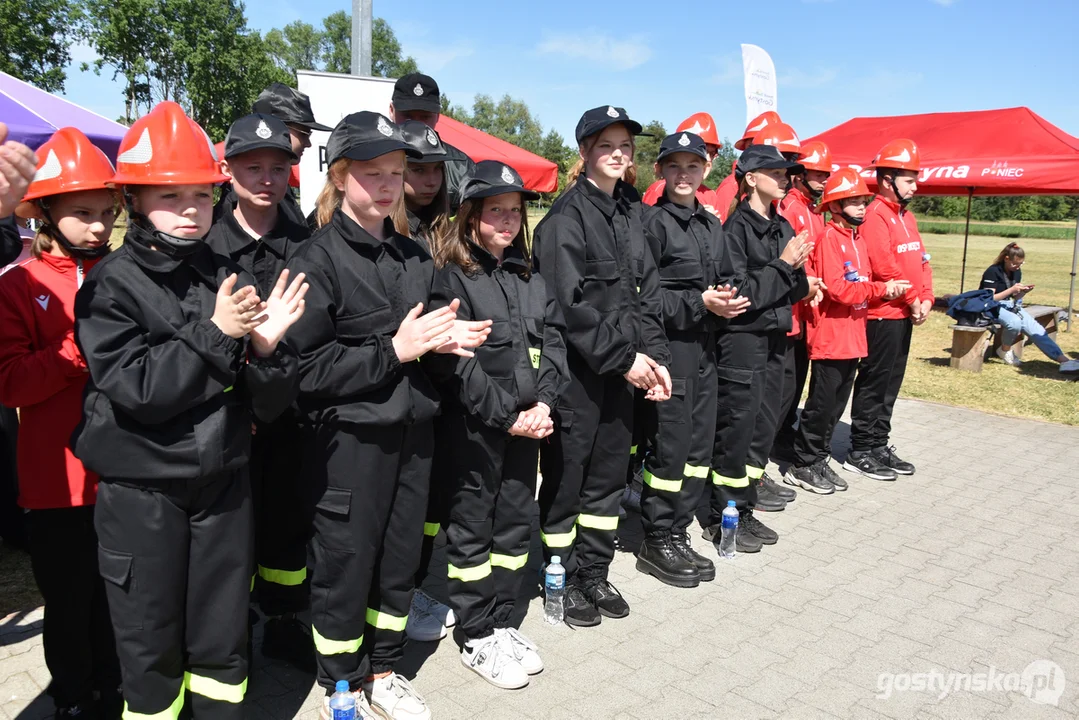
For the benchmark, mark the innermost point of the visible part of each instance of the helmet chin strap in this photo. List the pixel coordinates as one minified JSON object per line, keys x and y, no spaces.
{"x":814,"y":195}
{"x":903,"y":202}
{"x":852,"y":221}
{"x":50,"y":229}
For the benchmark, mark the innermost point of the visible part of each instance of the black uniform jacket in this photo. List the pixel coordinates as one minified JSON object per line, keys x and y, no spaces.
{"x":10,"y":241}
{"x":419,"y":230}
{"x":263,"y":258}
{"x":523,"y":360}
{"x":751,"y":263}
{"x":997,"y":279}
{"x":458,"y":166}
{"x":170,"y":396}
{"x":688,"y":245}
{"x":591,"y":250}
{"x":360,"y":291}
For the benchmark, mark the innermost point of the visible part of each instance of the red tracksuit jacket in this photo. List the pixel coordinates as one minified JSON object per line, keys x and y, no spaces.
{"x":724,"y":195}
{"x":838,"y":332}
{"x":795,"y":207}
{"x":43,"y":373}
{"x":896,"y":251}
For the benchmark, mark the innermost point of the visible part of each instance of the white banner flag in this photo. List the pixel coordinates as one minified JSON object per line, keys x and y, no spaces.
{"x":760,"y":81}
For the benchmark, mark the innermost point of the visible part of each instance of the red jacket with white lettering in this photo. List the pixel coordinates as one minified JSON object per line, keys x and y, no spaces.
{"x":896,"y":251}
{"x":43,"y":373}
{"x":796,"y":208}
{"x":838,"y":332}
{"x":655,"y":191}
{"x":725,"y":193}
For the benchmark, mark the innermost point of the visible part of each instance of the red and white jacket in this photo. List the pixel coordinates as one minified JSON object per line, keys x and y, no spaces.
{"x":896,"y":251}
{"x":797,"y":209}
{"x":838,"y":332}
{"x":724,"y":195}
{"x":43,"y":373}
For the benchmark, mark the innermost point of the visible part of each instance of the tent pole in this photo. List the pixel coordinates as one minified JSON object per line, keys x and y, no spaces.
{"x":1075,"y":265}
{"x":966,"y":237}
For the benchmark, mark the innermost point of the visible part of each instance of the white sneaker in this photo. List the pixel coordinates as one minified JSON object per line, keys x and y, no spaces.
{"x":392,"y":697}
{"x":1009,"y":357}
{"x":363,"y":709}
{"x":440,"y":611}
{"x":1069,"y":366}
{"x":492,"y":659}
{"x":524,"y":650}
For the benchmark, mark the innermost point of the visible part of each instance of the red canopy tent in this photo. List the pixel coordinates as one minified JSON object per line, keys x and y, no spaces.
{"x":1012,"y":151}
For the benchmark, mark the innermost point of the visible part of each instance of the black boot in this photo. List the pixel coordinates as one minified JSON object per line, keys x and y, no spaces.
{"x":705,"y":567}
{"x":659,"y":558}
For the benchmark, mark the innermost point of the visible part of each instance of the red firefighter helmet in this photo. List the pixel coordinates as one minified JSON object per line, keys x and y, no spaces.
{"x":769,"y":117}
{"x":842,"y":184}
{"x":815,"y":155}
{"x":781,"y":135}
{"x":67,"y":162}
{"x":901,"y":154}
{"x":701,"y":124}
{"x":166,"y":147}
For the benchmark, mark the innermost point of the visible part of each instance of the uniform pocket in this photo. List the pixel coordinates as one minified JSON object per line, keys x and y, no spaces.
{"x":683,"y":271}
{"x":563,"y":417}
{"x":372,"y":322}
{"x":335,"y":501}
{"x":601,"y":269}
{"x":116,"y":568}
{"x":673,"y":411}
{"x":737,"y":375}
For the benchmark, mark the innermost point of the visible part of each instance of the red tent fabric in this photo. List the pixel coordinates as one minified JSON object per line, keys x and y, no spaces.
{"x":538,"y":173}
{"x":1013,"y":151}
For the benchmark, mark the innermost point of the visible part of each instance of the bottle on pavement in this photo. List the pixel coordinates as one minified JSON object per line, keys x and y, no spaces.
{"x":554,"y":588}
{"x":728,"y":530}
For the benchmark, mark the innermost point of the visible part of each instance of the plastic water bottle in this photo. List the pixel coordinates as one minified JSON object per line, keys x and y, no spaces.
{"x":850,"y":273}
{"x":728,"y":530}
{"x":554,"y":586}
{"x":342,"y":702}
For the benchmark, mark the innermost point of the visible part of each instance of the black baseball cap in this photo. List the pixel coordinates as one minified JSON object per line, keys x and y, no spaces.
{"x":596,"y":119}
{"x":366,"y":136}
{"x":686,"y":142}
{"x":256,"y":132}
{"x":289,"y":106}
{"x":764,"y":157}
{"x":424,"y":140}
{"x":416,"y":91}
{"x":490,"y":178}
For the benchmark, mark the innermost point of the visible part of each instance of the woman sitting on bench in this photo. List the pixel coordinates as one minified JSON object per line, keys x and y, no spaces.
{"x":1005,"y":277}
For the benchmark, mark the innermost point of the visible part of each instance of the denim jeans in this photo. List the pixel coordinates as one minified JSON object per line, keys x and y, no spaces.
{"x":1014,"y":320}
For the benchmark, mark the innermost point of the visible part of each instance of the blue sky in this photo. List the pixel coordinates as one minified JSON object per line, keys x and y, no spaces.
{"x":835,"y":59}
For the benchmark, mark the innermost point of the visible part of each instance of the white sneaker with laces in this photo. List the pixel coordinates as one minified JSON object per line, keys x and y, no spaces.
{"x":440,"y":611}
{"x":492,"y":659}
{"x":524,"y":650}
{"x":1009,"y":357}
{"x":393,"y":697}
{"x":363,"y":709}
{"x":1069,"y":366}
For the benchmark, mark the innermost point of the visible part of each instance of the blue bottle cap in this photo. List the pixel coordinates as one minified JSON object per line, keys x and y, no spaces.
{"x":847,"y":262}
{"x":342,"y":686}
{"x":556,"y":560}
{"x":732,"y":503}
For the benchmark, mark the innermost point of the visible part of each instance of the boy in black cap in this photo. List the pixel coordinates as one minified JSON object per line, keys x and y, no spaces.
{"x":416,"y":97}
{"x":426,"y":194}
{"x":687,"y":241}
{"x":254,"y":231}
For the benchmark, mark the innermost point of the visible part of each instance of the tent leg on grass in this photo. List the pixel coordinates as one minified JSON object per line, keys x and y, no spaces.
{"x":966,"y":237}
{"x":1075,"y":265}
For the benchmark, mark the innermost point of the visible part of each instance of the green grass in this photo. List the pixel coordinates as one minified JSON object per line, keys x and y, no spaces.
{"x":1004,"y":230}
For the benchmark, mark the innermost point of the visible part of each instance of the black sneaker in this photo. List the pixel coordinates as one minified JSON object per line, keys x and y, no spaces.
{"x":863,"y":462}
{"x":886,"y":456}
{"x":807,"y":478}
{"x":580,"y":610}
{"x":659,"y":558}
{"x":608,"y":600}
{"x":706,"y":569}
{"x":287,"y":638}
{"x":758,"y":529}
{"x":744,"y":540}
{"x":826,"y":473}
{"x":776,"y":489}
{"x":767,"y":501}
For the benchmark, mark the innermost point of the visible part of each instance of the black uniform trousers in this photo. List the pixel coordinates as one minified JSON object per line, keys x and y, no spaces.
{"x":750,"y":368}
{"x":282,"y":527}
{"x":490,"y":521}
{"x":437,"y":499}
{"x":176,"y":556}
{"x":584,"y":466}
{"x":369,"y":488}
{"x":682,"y":432}
{"x":880,"y":375}
{"x":80,"y":651}
{"x":795,"y":373}
{"x":829,"y":390}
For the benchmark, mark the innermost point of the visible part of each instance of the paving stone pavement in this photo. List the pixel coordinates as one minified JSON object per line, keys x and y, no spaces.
{"x":965,"y":573}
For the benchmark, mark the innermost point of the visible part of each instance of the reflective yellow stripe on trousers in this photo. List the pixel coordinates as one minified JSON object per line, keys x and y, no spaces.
{"x":660,"y":484}
{"x":559,"y":540}
{"x":696,"y":471}
{"x":471,"y":574}
{"x":289,"y":578}
{"x":741,"y":482}
{"x":215,"y":689}
{"x":385,"y":621}
{"x":335,"y":647}
{"x":509,"y":562}
{"x":754,"y":473}
{"x":170,"y":713}
{"x":598,"y":522}
{"x":430,"y":529}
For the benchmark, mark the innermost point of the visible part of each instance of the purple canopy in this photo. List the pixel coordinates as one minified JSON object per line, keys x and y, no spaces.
{"x":33,"y":115}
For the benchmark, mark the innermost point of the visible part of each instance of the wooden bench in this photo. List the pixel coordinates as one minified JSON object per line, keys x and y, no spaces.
{"x":971,"y":346}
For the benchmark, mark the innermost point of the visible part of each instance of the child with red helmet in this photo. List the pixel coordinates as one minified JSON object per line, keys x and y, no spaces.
{"x":182,"y":354}
{"x":836,"y":338}
{"x":43,"y":374}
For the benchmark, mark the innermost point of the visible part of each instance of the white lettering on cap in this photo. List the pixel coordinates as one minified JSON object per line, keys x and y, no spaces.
{"x":684,"y":140}
{"x":431,"y":139}
{"x":611,"y":112}
{"x":139,"y":154}
{"x":507,"y":175}
{"x":263,"y":130}
{"x":418,"y":90}
{"x":384,"y":126}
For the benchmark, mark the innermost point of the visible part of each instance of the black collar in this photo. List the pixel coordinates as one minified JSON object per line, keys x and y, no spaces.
{"x":624,"y":195}
{"x":759,"y":224}
{"x":236,"y":239}
{"x":512,"y":259}
{"x":681,"y":212}
{"x":138,"y":241}
{"x":355,"y":235}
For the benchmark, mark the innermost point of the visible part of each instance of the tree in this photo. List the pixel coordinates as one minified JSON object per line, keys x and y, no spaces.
{"x":337,"y":42}
{"x":36,"y":35}
{"x":723,"y":164}
{"x":386,"y":58}
{"x":121,"y":32}
{"x":296,"y":47}
{"x":644,"y":158}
